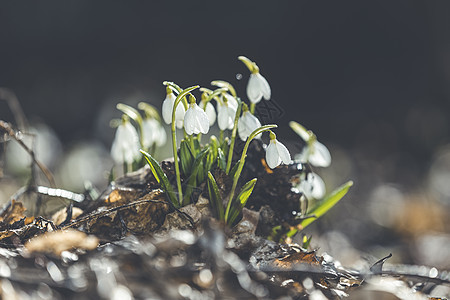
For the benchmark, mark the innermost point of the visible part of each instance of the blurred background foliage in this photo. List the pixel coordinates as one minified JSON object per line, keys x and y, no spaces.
{"x":371,"y":79}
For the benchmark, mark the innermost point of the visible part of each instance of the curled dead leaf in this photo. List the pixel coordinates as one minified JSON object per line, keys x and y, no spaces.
{"x":62,"y":240}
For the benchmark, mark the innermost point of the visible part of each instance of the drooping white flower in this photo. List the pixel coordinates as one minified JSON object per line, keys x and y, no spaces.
{"x":312,"y":186}
{"x":225,"y":116}
{"x":196,"y":120}
{"x":167,"y":109}
{"x":210,"y":111}
{"x":153,"y":133}
{"x":232,"y":102}
{"x":277,"y":153}
{"x":257,"y":88}
{"x":247,"y":124}
{"x":315,"y":153}
{"x":125,"y":147}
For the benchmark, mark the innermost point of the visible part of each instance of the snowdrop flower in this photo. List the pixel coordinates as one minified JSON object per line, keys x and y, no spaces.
{"x":312,"y":186}
{"x":167,"y":109}
{"x":276,"y":153}
{"x":316,"y":154}
{"x":257,"y":88}
{"x":247,"y":123}
{"x":196,"y":120}
{"x":152,"y":133}
{"x":210,"y":111}
{"x":232,"y":102}
{"x":125,"y":147}
{"x":226,"y":114}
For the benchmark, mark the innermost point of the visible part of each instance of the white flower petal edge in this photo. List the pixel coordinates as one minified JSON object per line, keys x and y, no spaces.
{"x":225,"y":116}
{"x":276,"y":153}
{"x":125,"y":147}
{"x":320,"y":156}
{"x":167,"y":109}
{"x":272,"y":157}
{"x":257,"y":88}
{"x":210,"y":112}
{"x":284,"y":154}
{"x":196,"y":121}
{"x":153,"y":133}
{"x":313,"y":186}
{"x":247,"y":124}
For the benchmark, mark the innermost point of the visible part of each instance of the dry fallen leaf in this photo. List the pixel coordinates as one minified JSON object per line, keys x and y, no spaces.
{"x":62,"y":240}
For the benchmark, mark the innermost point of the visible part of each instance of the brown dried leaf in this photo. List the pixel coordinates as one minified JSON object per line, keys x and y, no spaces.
{"x":14,"y":213}
{"x":62,"y":240}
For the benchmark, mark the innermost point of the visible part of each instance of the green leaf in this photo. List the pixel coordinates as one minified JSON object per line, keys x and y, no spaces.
{"x":327,"y":203}
{"x":215,"y":200}
{"x":234,"y":169}
{"x":186,"y":158}
{"x":209,"y":160}
{"x":221,"y":161}
{"x":306,"y":241}
{"x":214,"y":146}
{"x":192,"y":180}
{"x":161,"y":178}
{"x":241,"y":200}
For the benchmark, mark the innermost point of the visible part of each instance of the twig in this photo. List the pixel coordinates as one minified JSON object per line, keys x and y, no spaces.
{"x":7,"y":128}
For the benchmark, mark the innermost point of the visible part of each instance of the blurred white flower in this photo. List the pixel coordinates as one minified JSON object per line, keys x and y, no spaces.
{"x":277,"y":153}
{"x":257,"y":88}
{"x":167,"y":109}
{"x":153,"y":133}
{"x":247,"y":124}
{"x":196,"y":120}
{"x":125,"y":147}
{"x":226,"y":115}
{"x":315,"y":153}
{"x":312,"y":186}
{"x":210,"y":111}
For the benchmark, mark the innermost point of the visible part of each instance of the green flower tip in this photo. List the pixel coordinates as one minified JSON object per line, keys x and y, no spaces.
{"x":253,"y":68}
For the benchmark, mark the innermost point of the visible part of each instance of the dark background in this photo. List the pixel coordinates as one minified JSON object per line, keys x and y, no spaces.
{"x":368,"y":77}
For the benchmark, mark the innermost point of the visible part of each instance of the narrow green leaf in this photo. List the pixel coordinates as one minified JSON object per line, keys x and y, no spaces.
{"x":161,"y":177}
{"x":221,"y":162}
{"x":234,"y":169}
{"x":193,"y":178}
{"x":327,"y":203}
{"x":186,"y":158}
{"x":241,"y":200}
{"x":306,"y":241}
{"x":215,"y":200}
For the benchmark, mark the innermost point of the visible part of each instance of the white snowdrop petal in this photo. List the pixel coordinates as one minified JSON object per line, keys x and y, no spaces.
{"x":161,"y":139}
{"x":318,"y":187}
{"x":210,"y":112}
{"x":189,"y":122}
{"x":272,"y":157}
{"x":231,"y":101}
{"x":202,"y":120}
{"x":254,"y":92}
{"x":320,"y":156}
{"x":179,"y":115}
{"x":242,"y":130}
{"x":264,"y":86}
{"x":167,"y":108}
{"x":231,"y":115}
{"x":222,"y":118}
{"x":125,"y":147}
{"x":283,"y":153}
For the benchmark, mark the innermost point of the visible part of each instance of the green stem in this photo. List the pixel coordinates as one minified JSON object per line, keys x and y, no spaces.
{"x":233,"y":137}
{"x":221,"y":137}
{"x":180,"y":96}
{"x":252,"y":108}
{"x":242,"y":161}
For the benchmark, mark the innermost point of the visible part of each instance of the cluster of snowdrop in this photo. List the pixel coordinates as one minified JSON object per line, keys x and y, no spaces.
{"x":180,"y":110}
